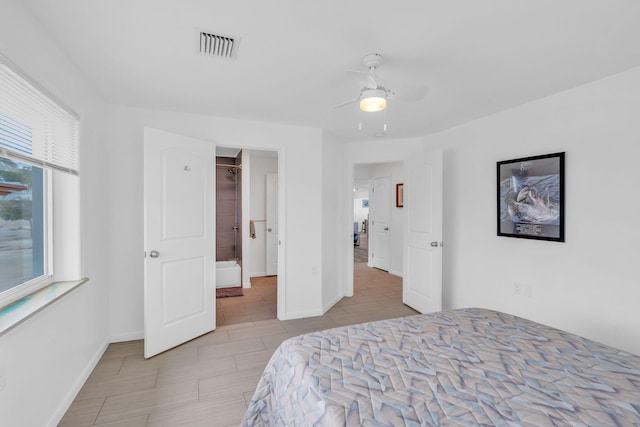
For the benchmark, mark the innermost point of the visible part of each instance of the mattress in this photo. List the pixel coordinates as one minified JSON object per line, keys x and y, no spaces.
{"x":458,"y":367}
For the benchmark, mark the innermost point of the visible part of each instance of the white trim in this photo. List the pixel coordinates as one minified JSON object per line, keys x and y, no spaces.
{"x":17,"y":292}
{"x":246,"y":217}
{"x":127,"y":336}
{"x":282,"y":236}
{"x":395,"y":273}
{"x":24,"y":289}
{"x":331,"y":303}
{"x":77,"y":386}
{"x":22,"y":309}
{"x":259,"y":274}
{"x":303,"y":314}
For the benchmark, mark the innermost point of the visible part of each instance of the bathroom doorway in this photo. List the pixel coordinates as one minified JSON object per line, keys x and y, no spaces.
{"x":246,"y":196}
{"x":229,"y":209}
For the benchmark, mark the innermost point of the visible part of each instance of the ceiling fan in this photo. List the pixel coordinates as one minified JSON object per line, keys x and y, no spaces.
{"x":373,"y":96}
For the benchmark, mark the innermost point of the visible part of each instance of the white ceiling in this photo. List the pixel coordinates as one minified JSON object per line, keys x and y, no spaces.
{"x":476,"y":57}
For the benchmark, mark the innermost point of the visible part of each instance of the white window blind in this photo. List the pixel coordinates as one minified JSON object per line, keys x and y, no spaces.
{"x":33,"y":127}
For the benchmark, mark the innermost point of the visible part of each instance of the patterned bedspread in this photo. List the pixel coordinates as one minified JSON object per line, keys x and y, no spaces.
{"x":458,"y":367}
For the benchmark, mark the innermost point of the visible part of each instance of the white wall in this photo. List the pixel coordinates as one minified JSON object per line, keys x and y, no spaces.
{"x":262,"y":163}
{"x":302,"y":187}
{"x":46,"y":358}
{"x":332,"y":216}
{"x":360,"y":213}
{"x":588,"y":285}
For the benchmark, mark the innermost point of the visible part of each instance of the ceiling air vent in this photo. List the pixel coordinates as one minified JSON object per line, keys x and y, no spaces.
{"x":217,"y":45}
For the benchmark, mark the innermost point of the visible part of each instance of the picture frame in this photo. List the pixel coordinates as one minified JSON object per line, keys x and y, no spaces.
{"x":530,"y":195}
{"x":365,"y":203}
{"x":400,"y":195}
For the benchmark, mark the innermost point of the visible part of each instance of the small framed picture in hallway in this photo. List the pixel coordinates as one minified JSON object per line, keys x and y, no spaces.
{"x":399,"y":195}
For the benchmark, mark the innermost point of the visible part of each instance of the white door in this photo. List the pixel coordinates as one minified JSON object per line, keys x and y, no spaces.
{"x":179,"y":209}
{"x":272,"y":224}
{"x":379,"y":214}
{"x":422,"y":275}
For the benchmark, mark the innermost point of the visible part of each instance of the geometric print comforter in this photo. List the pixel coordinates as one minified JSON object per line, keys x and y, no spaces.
{"x":453,"y":368}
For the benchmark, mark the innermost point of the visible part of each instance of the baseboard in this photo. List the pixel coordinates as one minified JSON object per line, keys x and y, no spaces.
{"x":258,"y":274}
{"x":246,"y":285}
{"x":302,"y":314}
{"x":128,"y":336}
{"x":71,"y":395}
{"x":333,"y":302}
{"x":396,"y":273}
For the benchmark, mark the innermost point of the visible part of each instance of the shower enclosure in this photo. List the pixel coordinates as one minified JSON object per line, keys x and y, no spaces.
{"x":229,"y":208}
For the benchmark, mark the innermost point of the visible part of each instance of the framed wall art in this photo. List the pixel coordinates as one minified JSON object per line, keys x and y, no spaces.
{"x":399,"y":195}
{"x":531,"y":197}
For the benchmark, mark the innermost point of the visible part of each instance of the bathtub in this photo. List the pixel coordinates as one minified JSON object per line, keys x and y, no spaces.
{"x":228,"y":274}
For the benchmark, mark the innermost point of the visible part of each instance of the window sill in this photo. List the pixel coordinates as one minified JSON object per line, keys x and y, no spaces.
{"x":17,"y":312}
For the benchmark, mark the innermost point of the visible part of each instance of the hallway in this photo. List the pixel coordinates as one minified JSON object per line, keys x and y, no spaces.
{"x":376,"y":293}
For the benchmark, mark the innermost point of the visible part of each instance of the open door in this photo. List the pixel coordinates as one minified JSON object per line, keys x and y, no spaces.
{"x":272,"y":224}
{"x":379,"y":216}
{"x":179,"y":209}
{"x":422,"y":275}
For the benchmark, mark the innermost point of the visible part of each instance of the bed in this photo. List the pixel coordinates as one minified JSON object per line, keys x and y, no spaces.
{"x":458,"y":367}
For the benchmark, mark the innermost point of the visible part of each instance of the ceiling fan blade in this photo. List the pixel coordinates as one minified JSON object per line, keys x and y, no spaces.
{"x":351,"y":101}
{"x":411,"y":93}
{"x":371,"y":81}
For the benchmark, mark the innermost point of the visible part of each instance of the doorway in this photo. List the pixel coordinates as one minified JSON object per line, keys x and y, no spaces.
{"x":180,"y":221}
{"x":361,"y":221}
{"x":417,"y":220}
{"x":256,"y":237}
{"x":378,"y":239}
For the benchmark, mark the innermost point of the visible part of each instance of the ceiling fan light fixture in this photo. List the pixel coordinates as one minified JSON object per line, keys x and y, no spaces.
{"x":373,"y":100}
{"x":373,"y":104}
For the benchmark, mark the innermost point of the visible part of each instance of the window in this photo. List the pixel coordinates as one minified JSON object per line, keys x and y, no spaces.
{"x":38,"y":166}
{"x":22,"y":256}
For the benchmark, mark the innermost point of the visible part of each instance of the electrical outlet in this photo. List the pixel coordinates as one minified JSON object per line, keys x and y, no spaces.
{"x":517,"y":288}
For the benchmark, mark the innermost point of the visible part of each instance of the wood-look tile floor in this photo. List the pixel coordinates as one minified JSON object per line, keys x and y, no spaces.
{"x":210,"y":380}
{"x":258,"y":303}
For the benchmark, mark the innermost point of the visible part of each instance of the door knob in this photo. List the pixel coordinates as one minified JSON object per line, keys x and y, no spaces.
{"x":386,"y":229}
{"x":154,"y":254}
{"x":269,"y":230}
{"x":434,"y":244}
